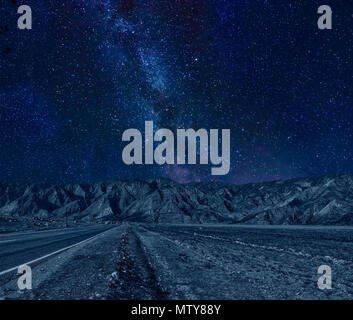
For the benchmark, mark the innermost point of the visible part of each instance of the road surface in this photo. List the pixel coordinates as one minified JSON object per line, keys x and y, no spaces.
{"x":22,"y":247}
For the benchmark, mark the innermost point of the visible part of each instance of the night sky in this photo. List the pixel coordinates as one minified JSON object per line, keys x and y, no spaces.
{"x":90,"y":69}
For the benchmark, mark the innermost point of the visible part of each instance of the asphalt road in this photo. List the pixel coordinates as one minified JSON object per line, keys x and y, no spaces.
{"x":21,"y":247}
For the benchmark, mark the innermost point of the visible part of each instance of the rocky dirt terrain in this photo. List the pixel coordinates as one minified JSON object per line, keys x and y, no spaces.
{"x":147,"y":261}
{"x":325,"y":200}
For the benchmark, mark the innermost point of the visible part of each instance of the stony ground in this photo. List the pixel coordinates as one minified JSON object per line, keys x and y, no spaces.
{"x":141,"y":261}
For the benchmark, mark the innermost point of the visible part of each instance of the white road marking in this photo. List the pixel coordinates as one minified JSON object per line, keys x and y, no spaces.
{"x":64,"y":230}
{"x":51,"y":254}
{"x":6,"y":241}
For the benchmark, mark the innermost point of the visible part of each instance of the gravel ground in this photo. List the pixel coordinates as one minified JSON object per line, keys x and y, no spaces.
{"x":250,"y":263}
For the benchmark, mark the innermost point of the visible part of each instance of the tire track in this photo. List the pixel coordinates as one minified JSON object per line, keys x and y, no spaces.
{"x":257,"y":246}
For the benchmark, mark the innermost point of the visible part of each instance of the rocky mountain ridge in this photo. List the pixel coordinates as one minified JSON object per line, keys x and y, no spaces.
{"x":316,"y":201}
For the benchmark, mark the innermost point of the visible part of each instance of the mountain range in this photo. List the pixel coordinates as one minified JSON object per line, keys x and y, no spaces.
{"x":326,"y":200}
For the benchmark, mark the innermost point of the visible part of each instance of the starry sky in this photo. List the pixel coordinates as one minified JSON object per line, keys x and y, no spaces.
{"x":90,"y":69}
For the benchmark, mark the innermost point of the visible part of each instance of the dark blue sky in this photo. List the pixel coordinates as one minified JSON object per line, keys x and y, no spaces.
{"x":91,"y":69}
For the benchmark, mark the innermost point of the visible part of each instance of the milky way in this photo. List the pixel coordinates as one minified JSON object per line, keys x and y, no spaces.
{"x":88,"y":70}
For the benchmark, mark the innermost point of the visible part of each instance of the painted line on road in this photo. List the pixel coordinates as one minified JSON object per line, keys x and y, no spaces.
{"x":52,"y":253}
{"x":41,"y":231}
{"x":6,"y":241}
